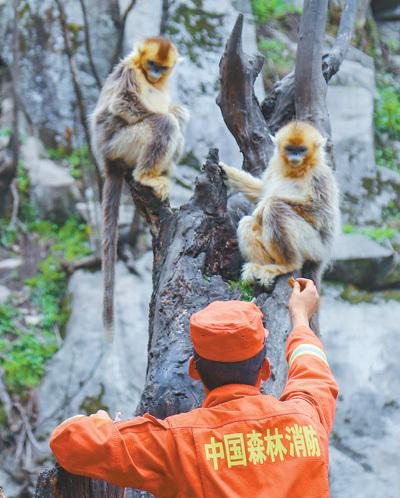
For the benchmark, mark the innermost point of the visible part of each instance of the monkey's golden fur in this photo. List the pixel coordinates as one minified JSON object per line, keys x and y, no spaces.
{"x":297,"y":213}
{"x":135,"y":126}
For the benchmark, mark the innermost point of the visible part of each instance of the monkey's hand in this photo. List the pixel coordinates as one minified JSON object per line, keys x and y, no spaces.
{"x":242,"y":182}
{"x":182,"y":115}
{"x":126,"y":110}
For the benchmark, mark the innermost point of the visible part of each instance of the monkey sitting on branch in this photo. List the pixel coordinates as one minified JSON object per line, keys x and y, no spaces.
{"x":297,"y":213}
{"x":135,"y":127}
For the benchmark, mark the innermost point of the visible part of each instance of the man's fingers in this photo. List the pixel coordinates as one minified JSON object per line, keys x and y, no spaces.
{"x":101,"y":414}
{"x":304,"y":281}
{"x":296,"y":287}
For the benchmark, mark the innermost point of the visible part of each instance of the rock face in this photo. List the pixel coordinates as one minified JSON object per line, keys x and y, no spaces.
{"x":88,"y":373}
{"x":53,"y":191}
{"x":45,"y":85}
{"x":363,"y":348}
{"x":350,"y":102}
{"x":359,"y":260}
{"x":4,"y":294}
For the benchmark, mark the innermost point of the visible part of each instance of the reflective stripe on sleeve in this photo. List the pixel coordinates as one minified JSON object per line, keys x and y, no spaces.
{"x":307,"y":349}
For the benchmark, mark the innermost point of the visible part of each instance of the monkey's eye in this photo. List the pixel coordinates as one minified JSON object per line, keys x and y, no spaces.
{"x":156,"y":67}
{"x":292,"y":149}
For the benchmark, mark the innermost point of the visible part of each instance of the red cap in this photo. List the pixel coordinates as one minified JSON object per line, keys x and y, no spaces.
{"x":228,"y":331}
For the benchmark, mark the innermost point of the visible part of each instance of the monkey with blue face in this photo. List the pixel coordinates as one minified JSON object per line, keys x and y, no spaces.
{"x":297,"y":215}
{"x":135,"y":127}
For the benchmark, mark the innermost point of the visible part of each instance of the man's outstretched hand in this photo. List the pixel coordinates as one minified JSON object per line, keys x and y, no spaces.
{"x":303,"y":302}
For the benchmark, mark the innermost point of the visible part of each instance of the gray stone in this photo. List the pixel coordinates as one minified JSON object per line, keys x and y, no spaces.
{"x":91,"y":211}
{"x":10,"y":487}
{"x":359,"y":260}
{"x":10,"y":263}
{"x":53,"y":191}
{"x":88,"y":372}
{"x":363,"y":348}
{"x":348,"y":478}
{"x":45,"y":82}
{"x":4,"y":141}
{"x":350,"y":102}
{"x":4,"y":294}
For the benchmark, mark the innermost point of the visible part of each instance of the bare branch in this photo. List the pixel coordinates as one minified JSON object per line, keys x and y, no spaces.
{"x":120,"y":24}
{"x":88,"y":44}
{"x":78,"y":92}
{"x":92,"y":262}
{"x":310,"y":85}
{"x":239,"y":105}
{"x":164,"y":16}
{"x":9,"y":157}
{"x":279,"y":107}
{"x":15,"y":204}
{"x":5,"y":399}
{"x":332,"y":61}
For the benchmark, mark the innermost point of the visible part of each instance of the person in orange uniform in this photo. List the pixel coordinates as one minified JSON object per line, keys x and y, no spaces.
{"x":240,"y":443}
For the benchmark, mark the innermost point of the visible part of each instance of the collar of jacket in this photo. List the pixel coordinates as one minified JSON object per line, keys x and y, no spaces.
{"x":228,"y":393}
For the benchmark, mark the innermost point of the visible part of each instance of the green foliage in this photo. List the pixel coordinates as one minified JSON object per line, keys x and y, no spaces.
{"x":387,"y":126}
{"x":354,"y":295}
{"x":70,"y":240}
{"x":191,"y":160}
{"x":67,"y":242}
{"x":78,"y":159}
{"x":48,"y":287}
{"x":8,"y":234}
{"x":195,"y":29}
{"x":23,"y":350}
{"x":246,"y":290}
{"x":23,"y":179}
{"x":267,"y":10}
{"x":91,"y":404}
{"x":376,"y":233}
{"x":26,"y":212}
{"x":5,"y":132}
{"x":278,"y":59}
{"x":387,"y":111}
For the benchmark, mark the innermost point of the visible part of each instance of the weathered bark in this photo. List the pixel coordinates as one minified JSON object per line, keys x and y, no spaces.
{"x":239,"y":105}
{"x":57,"y":483}
{"x":195,"y":249}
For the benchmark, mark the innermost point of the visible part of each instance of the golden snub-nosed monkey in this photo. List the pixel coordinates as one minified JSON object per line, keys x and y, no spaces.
{"x":135,"y":126}
{"x":297,"y":212}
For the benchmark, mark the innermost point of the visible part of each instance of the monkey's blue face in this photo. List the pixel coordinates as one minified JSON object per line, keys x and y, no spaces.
{"x":154,"y":71}
{"x":296,"y":154}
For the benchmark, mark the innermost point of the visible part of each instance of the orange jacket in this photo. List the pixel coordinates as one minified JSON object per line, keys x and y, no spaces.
{"x":240,"y":443}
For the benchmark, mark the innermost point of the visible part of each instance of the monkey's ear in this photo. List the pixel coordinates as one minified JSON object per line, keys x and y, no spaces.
{"x":138,"y":48}
{"x":273,"y":139}
{"x":323,"y":142}
{"x":180,"y":59}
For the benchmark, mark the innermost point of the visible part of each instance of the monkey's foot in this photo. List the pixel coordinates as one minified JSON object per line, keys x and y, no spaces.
{"x":255,"y":273}
{"x":160,"y":185}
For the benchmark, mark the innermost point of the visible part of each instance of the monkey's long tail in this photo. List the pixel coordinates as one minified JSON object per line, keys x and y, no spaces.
{"x":111,"y":200}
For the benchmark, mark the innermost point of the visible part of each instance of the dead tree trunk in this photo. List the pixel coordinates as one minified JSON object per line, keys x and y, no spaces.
{"x":10,"y":156}
{"x":196,"y":254}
